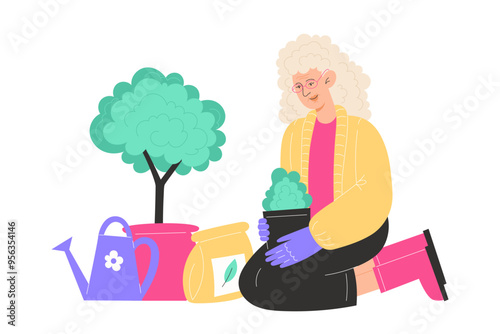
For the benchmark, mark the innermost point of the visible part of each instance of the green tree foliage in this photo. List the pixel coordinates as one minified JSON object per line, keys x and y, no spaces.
{"x":286,"y":192}
{"x":165,"y":118}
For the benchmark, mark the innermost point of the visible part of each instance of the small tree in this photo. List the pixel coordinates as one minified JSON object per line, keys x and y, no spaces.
{"x":158,"y":124}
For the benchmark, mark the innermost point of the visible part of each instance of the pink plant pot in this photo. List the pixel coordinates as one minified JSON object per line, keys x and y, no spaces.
{"x":174,"y":244}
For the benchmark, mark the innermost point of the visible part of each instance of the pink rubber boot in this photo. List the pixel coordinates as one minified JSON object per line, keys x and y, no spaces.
{"x":400,"y":249}
{"x":409,"y":260}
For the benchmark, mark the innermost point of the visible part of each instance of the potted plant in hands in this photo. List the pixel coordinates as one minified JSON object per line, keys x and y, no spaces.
{"x":159,"y":124}
{"x":286,"y":204}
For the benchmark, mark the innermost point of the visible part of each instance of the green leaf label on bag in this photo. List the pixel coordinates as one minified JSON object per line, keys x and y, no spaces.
{"x":230,"y":272}
{"x":226,"y":273}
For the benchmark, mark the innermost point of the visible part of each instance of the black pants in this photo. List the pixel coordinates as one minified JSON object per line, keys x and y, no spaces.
{"x":325,"y":280}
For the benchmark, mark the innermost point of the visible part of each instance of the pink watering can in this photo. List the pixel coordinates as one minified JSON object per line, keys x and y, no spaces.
{"x":114,"y":272}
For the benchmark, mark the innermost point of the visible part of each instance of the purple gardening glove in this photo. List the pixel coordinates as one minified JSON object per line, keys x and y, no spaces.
{"x":297,"y":246}
{"x":263,"y":229}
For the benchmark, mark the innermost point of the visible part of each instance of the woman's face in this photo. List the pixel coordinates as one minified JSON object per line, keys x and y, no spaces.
{"x":312,"y":88}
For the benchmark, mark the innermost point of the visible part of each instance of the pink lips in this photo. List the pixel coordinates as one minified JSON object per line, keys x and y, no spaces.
{"x":314,"y":98}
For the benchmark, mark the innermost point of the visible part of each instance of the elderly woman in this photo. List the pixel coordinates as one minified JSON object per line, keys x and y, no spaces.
{"x":342,"y":160}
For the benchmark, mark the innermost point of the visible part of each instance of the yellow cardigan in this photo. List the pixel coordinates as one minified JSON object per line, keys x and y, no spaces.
{"x":362,"y":179}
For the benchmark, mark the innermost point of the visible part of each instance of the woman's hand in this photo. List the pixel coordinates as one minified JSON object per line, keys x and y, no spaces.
{"x":263,"y":229}
{"x":297,"y":246}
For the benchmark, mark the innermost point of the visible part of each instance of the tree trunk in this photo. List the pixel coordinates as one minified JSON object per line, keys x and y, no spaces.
{"x":159,"y":197}
{"x":159,"y":186}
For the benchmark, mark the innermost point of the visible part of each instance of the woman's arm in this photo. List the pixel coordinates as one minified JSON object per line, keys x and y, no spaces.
{"x":362,"y":209}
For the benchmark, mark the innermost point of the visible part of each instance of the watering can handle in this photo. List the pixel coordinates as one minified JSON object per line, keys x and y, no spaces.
{"x":115,"y":219}
{"x":153,"y":262}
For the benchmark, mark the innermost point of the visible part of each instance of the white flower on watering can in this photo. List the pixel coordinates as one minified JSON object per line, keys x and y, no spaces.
{"x":113,"y":260}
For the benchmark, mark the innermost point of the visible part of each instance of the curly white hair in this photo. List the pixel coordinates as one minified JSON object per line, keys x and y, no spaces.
{"x":318,"y":52}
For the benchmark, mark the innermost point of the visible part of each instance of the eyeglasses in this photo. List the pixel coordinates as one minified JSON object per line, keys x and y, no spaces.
{"x":310,"y":84}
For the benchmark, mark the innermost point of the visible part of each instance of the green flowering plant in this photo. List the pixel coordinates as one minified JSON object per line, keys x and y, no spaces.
{"x":286,"y":192}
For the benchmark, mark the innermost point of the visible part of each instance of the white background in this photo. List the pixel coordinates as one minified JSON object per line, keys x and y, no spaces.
{"x":427,"y":59}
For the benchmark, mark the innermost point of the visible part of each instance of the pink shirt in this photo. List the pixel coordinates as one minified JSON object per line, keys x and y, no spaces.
{"x":321,"y":155}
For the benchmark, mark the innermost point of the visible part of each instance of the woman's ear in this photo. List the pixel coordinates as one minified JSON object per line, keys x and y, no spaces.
{"x":330,"y":77}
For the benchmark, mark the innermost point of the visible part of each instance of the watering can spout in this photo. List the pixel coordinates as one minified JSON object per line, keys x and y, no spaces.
{"x":80,"y":278}
{"x":64,"y":246}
